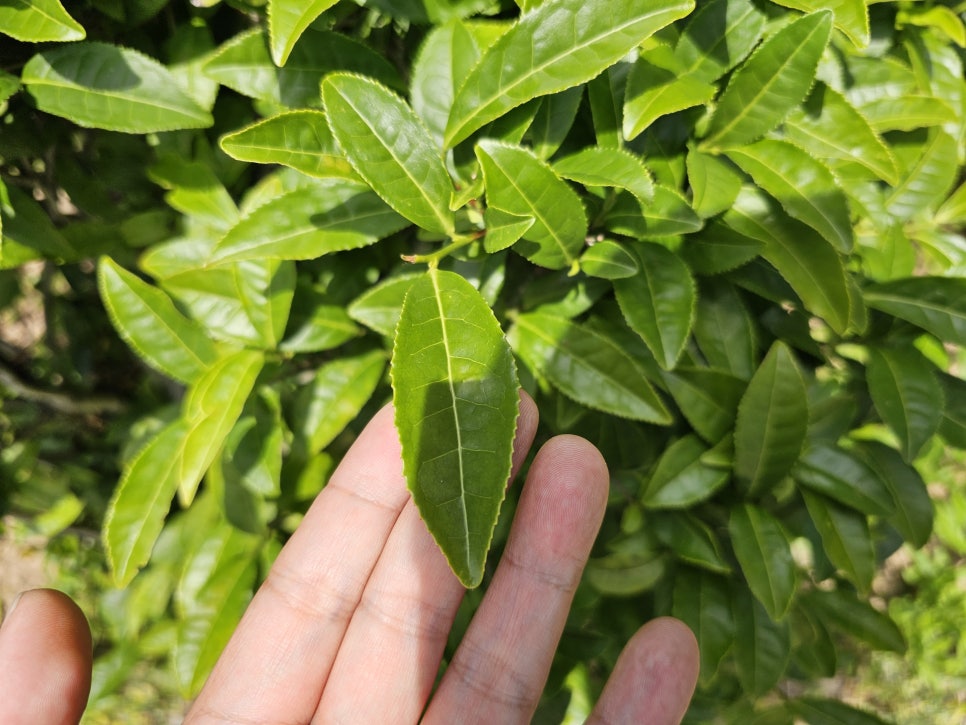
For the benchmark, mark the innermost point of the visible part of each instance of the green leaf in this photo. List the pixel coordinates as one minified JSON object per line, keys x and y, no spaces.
{"x":668,"y":215}
{"x":556,"y":46}
{"x":724,"y":329}
{"x":389,"y":147}
{"x":334,"y":397}
{"x":378,"y":308}
{"x":28,"y":232}
{"x":149,"y":322}
{"x":681,"y":478}
{"x":762,"y":645}
{"x":655,"y":88}
{"x":244,"y":64}
{"x":808,"y":263}
{"x":39,"y":21}
{"x":913,"y":516}
{"x":842,"y":476}
{"x":658,"y":302}
{"x":586,"y":366}
{"x":194,"y":190}
{"x":117,"y":89}
{"x":9,"y":84}
{"x":309,"y":222}
{"x":607,"y":167}
{"x":519,"y":183}
{"x":634,"y":567}
{"x":221,"y":575}
{"x":906,"y":113}
{"x":554,"y":120}
{"x":763,"y":549}
{"x":707,"y":398}
{"x":211,"y":408}
{"x":609,"y":260}
{"x":855,"y":617}
{"x":714,"y":183}
{"x":936,"y":304}
{"x":718,"y":36}
{"x":444,"y":60}
{"x":455,"y":393}
{"x":287,"y":20}
{"x":953,"y":425}
{"x":845,"y":537}
{"x":718,"y":248}
{"x":298,"y":139}
{"x":772,"y":421}
{"x":804,"y":187}
{"x":829,"y":127}
{"x":503,"y":229}
{"x":851,"y":16}
{"x":690,"y":540}
{"x":770,"y":83}
{"x":820,"y":711}
{"x":703,"y":602}
{"x":326,"y":327}
{"x":906,"y":394}
{"x":931,"y":171}
{"x":136,"y":512}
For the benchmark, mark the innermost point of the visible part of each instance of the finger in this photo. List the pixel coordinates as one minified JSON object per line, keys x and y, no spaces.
{"x":396,"y":637}
{"x":654,"y":678}
{"x":500,"y":668}
{"x":46,"y":659}
{"x":276,"y":663}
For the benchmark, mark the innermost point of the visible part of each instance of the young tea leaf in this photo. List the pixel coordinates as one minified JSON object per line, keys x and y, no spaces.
{"x":39,"y":21}
{"x":149,"y":322}
{"x":455,"y":392}
{"x":763,"y":549}
{"x":771,"y":82}
{"x":556,"y":46}
{"x":287,"y":20}
{"x":390,"y":148}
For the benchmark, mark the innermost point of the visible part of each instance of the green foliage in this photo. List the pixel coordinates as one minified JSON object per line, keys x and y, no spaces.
{"x":721,"y":240}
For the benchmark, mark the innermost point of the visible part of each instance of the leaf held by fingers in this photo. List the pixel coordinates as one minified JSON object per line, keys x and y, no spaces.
{"x":455,"y":393}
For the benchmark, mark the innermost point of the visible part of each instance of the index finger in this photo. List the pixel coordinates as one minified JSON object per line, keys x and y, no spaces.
{"x":277,"y":661}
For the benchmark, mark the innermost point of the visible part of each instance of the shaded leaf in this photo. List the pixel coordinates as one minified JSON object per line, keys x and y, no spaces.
{"x":655,"y":88}
{"x":936,"y":304}
{"x":724,"y":329}
{"x":658,"y":302}
{"x":503,"y":229}
{"x":690,"y":540}
{"x":378,"y":308}
{"x":772,"y":421}
{"x":840,"y":475}
{"x":762,"y":645}
{"x":609,"y":260}
{"x":702,"y":601}
{"x":586,"y":366}
{"x":714,"y":183}
{"x":845,"y":537}
{"x":913,"y":515}
{"x":763,"y":549}
{"x":681,"y":478}
{"x":906,"y":394}
{"x":718,"y":35}
{"x":820,"y":711}
{"x":456,"y":400}
{"x":707,"y":398}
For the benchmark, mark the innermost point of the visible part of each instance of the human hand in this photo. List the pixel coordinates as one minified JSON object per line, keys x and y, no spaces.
{"x":351,"y":622}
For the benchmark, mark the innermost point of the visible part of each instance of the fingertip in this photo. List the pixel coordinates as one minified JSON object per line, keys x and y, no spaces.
{"x":46,"y":655}
{"x":654,"y":678}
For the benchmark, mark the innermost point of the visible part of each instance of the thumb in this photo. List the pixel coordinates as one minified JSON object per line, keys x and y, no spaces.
{"x":46,"y":660}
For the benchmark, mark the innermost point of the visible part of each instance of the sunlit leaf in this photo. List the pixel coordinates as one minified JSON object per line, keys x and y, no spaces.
{"x":38,"y":21}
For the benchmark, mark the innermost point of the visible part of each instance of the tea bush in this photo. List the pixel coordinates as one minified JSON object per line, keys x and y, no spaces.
{"x":720,"y":240}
